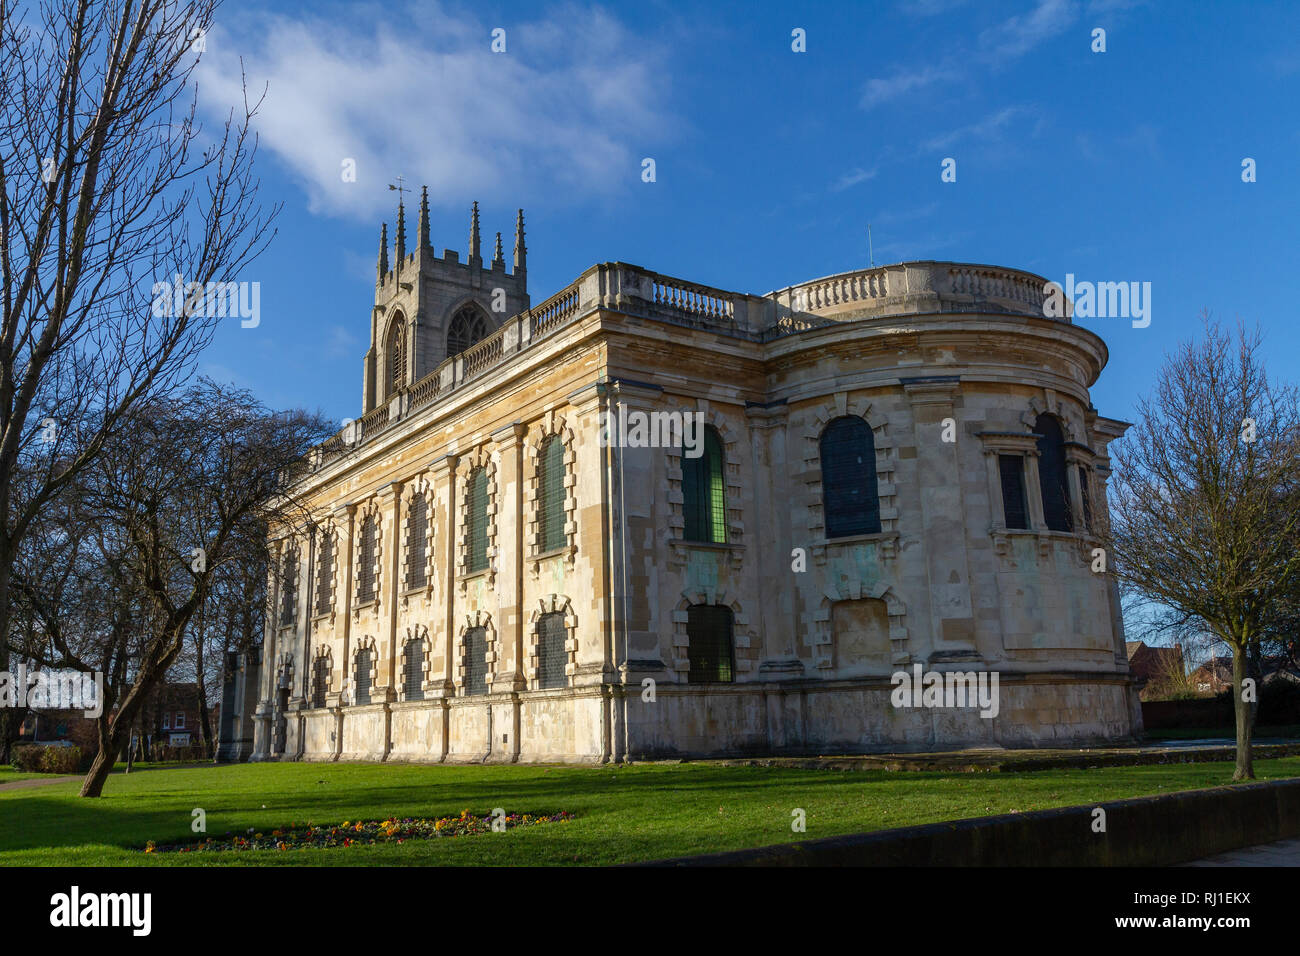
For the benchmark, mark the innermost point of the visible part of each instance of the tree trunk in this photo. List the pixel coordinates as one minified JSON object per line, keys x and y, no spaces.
{"x":102,"y":765}
{"x":1245,"y":713}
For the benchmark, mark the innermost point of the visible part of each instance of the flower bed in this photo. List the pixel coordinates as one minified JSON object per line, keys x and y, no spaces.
{"x":362,"y":833}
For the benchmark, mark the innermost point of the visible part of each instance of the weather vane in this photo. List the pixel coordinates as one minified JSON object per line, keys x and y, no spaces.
{"x":399,"y":188}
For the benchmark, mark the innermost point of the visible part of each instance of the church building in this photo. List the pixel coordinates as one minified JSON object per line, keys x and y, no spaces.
{"x":646,"y":518}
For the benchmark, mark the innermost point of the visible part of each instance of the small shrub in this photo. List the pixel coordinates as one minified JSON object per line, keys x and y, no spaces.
{"x":27,"y":758}
{"x":35,"y":758}
{"x":60,"y":759}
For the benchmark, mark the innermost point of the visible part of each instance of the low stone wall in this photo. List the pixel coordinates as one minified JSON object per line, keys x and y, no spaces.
{"x":1144,"y":831}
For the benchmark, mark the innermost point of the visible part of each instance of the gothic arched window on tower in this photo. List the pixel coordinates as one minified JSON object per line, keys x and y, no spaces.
{"x":704,"y":494}
{"x":1053,"y":479}
{"x":850,"y":495}
{"x":467,"y":326}
{"x":396,"y":355}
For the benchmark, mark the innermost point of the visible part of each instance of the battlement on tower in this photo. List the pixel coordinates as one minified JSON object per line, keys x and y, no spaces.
{"x":430,"y":307}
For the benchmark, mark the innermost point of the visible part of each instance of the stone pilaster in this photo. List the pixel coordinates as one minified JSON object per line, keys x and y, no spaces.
{"x":442,"y":668}
{"x":509,"y":673}
{"x":939,"y":468}
{"x":773,"y":541}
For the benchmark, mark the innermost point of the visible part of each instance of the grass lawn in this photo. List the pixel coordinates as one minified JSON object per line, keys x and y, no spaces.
{"x":624,"y":814}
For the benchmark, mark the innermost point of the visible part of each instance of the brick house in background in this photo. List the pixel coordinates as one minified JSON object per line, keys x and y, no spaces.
{"x":1152,"y":666}
{"x":1215,"y":675}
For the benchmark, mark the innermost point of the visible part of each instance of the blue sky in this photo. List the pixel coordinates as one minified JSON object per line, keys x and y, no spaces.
{"x":1123,"y":165}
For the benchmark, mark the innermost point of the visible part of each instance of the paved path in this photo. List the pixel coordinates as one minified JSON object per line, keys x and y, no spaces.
{"x":35,"y":782}
{"x":1282,"y":853}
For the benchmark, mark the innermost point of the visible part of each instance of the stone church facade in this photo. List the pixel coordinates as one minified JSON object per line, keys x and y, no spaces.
{"x":899,"y":470}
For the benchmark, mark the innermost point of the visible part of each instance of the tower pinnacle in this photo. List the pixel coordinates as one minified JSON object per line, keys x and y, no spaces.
{"x":474,"y":254}
{"x":400,"y":238}
{"x":383,"y":252}
{"x":422,"y":228}
{"x":521,"y":251}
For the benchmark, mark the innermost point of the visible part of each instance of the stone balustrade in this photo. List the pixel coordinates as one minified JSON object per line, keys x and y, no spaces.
{"x":632,"y":290}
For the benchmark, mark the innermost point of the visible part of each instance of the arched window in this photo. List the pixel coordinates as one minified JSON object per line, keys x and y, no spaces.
{"x":704,"y":493}
{"x":467,"y":326}
{"x":476,"y":537}
{"x":551,"y":655}
{"x":1052,"y":476}
{"x":417,"y":531}
{"x":320,"y":681}
{"x":366,"y":562}
{"x":325,"y":573}
{"x":288,"y":589}
{"x":476,"y":661}
{"x":364,"y":675}
{"x":413,"y":669}
{"x":849,"y":492}
{"x":550,"y":495}
{"x":396,"y":355}
{"x":709,"y":644}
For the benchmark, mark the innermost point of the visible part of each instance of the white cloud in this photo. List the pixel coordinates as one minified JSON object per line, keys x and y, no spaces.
{"x":1017,"y":35}
{"x":990,"y":127}
{"x":880,"y":90}
{"x":573,"y":103}
{"x":852,"y":178}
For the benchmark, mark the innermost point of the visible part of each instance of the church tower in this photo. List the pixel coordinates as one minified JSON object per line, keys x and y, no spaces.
{"x":429,"y":308}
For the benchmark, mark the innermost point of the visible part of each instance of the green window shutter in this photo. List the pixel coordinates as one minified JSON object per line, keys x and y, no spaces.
{"x":551,"y":655}
{"x":850,"y":494}
{"x":476,"y":661}
{"x":324,"y":574}
{"x":710,"y":648}
{"x":366,"y":562}
{"x":287,"y":590}
{"x":704,"y":492}
{"x":413,"y":672}
{"x":550,"y":524}
{"x":321,"y":683}
{"x":417,"y":524}
{"x":363,"y":676}
{"x":476,"y":525}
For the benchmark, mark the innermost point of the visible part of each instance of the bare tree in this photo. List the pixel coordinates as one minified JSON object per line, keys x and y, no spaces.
{"x":186,"y":484}
{"x":109,"y":192}
{"x":1205,"y":511}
